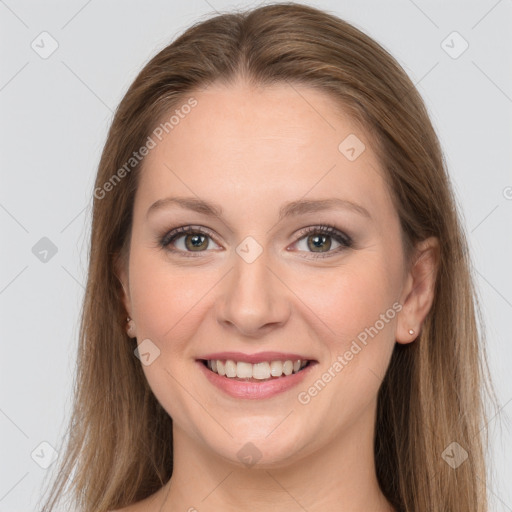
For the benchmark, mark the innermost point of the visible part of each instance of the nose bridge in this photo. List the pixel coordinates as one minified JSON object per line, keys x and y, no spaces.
{"x":253,"y":297}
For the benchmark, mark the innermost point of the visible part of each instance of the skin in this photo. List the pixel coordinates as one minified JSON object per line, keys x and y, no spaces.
{"x":251,"y":150}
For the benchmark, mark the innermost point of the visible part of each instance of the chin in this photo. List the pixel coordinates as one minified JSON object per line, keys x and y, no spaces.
{"x":263,"y":448}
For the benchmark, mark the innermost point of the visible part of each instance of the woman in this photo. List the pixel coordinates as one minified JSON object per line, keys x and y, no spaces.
{"x":279,"y":311}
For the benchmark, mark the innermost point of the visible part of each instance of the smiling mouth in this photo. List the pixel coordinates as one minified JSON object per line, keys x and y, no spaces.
{"x":258,"y":372}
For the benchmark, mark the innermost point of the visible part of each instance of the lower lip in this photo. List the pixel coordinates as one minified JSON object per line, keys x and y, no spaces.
{"x":255,"y":390}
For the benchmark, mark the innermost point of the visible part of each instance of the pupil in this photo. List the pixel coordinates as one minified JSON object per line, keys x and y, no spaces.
{"x":196,"y":241}
{"x":318,"y":240}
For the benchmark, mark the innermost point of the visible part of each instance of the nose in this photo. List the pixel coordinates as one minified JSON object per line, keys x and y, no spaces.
{"x":253,"y":300}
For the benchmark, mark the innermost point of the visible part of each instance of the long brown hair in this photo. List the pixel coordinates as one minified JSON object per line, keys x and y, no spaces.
{"x":119,"y":445}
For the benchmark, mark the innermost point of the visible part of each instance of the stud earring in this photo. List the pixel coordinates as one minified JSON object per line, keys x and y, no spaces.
{"x":130,"y":329}
{"x":411,"y":331}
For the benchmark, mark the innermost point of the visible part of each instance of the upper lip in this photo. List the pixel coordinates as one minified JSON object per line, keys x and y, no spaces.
{"x":255,"y":358}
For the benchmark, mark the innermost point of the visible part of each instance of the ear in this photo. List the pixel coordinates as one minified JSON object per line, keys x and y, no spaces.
{"x":121,"y":272}
{"x":418,"y":293}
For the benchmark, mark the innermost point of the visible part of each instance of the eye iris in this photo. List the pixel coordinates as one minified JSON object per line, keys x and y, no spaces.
{"x":318,"y":241}
{"x":196,"y":242}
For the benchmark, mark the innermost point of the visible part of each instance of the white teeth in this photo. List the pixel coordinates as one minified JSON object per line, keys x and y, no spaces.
{"x":243,"y":370}
{"x":261,"y":371}
{"x":287,"y":367}
{"x":230,"y":368}
{"x":276,"y":368}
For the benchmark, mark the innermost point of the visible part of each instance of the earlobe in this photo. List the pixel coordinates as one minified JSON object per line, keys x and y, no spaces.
{"x":130,"y":328}
{"x":418,"y":293}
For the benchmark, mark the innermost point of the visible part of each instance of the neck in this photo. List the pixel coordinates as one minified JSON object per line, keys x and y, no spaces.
{"x":339,"y":477}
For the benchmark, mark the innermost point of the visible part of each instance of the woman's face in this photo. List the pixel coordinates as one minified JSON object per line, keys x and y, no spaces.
{"x":258,"y":280}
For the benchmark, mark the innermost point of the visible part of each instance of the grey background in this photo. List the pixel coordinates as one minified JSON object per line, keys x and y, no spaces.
{"x":55,"y":113}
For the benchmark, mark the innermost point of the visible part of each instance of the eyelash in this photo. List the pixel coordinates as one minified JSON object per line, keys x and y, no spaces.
{"x":324,"y":229}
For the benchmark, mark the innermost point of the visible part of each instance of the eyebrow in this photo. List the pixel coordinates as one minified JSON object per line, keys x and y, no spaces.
{"x":298,"y":207}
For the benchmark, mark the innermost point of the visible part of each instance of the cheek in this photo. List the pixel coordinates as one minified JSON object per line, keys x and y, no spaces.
{"x":167,"y":300}
{"x":358,"y":305}
{"x":167,"y":304}
{"x":352,"y":298}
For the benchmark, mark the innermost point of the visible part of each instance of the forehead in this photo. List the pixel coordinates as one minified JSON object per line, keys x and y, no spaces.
{"x":265,"y":144}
